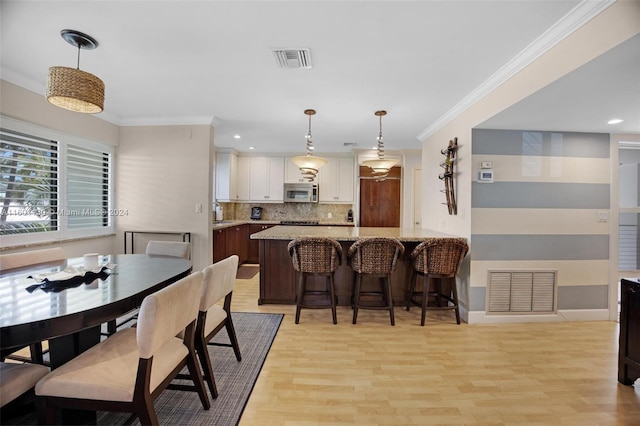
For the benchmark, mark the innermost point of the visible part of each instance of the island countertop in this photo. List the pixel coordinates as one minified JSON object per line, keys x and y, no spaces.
{"x":342,"y":233}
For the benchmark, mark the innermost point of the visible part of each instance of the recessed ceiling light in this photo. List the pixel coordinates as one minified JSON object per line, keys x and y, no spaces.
{"x":615,"y":121}
{"x":236,"y":136}
{"x":252,"y":147}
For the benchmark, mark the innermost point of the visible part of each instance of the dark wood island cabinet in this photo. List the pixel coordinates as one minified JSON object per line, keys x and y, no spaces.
{"x":278,"y":278}
{"x":629,"y":348}
{"x":254,"y":246}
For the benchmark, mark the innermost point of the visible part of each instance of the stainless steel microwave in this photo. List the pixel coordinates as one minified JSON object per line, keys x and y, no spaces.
{"x":300,"y":193}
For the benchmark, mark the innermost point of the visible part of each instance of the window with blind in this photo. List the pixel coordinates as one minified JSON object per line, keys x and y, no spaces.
{"x":52,"y":186}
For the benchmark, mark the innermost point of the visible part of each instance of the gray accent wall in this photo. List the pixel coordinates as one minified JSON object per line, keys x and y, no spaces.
{"x":540,"y":195}
{"x":532,"y":194}
{"x":569,"y":298}
{"x":583,"y":297}
{"x":540,"y":247}
{"x":546,"y":144}
{"x":477,"y":298}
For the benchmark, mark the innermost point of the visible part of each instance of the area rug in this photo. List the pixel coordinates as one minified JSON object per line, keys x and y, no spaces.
{"x":246,"y":272}
{"x":235,"y":380}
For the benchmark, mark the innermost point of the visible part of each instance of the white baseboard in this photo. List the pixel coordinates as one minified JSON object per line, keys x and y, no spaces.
{"x":477,"y":317}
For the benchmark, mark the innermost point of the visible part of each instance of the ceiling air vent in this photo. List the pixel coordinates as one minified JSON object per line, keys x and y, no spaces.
{"x":293,"y":58}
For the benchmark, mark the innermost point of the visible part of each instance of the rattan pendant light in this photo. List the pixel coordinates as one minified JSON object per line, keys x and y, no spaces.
{"x":309,"y":164}
{"x":72,"y":88}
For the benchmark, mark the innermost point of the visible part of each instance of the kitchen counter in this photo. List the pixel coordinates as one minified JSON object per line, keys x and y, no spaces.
{"x":278,"y":278}
{"x":346,"y":233}
{"x":229,"y":223}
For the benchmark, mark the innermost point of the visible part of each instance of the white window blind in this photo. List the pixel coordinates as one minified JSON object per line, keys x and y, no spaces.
{"x":88,"y":177}
{"x":52,"y":186}
{"x":28,"y":183}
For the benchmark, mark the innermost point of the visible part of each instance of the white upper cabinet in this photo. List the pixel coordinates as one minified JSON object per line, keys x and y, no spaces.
{"x":292,"y":172}
{"x":267,"y":179}
{"x":226,"y":177}
{"x":336,"y":181}
{"x":244,"y":179}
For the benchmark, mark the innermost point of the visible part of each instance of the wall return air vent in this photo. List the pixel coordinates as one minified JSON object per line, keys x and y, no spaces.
{"x":292,"y":58}
{"x":522,"y":292}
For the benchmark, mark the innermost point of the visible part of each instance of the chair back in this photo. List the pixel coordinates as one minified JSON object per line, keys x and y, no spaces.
{"x":167,"y":312}
{"x":169,"y":248}
{"x":315,"y":255}
{"x":439,"y":256}
{"x":32,"y":257}
{"x":375,"y":255}
{"x":219,"y":280}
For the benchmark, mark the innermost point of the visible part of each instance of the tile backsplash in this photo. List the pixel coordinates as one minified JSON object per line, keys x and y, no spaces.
{"x":288,"y":211}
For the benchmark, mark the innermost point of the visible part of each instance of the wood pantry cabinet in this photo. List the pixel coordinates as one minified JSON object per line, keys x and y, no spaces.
{"x":335,"y":181}
{"x":254,"y":245}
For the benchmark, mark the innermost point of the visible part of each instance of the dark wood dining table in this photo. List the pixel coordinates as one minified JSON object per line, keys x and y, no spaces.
{"x":71,"y":319}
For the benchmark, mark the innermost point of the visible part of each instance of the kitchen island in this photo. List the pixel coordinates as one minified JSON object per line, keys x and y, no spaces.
{"x":278,"y":278}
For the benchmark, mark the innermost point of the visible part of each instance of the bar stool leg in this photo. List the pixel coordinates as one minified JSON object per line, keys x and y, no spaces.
{"x":356,"y":297}
{"x":332,"y":294}
{"x":300,"y":294}
{"x":454,"y":292}
{"x":389,"y":299}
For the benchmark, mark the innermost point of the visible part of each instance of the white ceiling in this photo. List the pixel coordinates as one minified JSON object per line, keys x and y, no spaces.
{"x":606,"y":87}
{"x":181,"y":62}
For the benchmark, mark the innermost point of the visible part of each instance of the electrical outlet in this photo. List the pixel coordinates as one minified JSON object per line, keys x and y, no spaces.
{"x":329,"y":215}
{"x":198,"y":208}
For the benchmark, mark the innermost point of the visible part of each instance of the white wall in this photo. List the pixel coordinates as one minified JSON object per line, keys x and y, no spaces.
{"x":162,"y":173}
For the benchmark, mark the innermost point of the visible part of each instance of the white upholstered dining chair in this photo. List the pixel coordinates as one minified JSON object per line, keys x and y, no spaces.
{"x":218,"y":282}
{"x":20,"y":260}
{"x":161,"y":248}
{"x":169,"y":248}
{"x":31,"y":257}
{"x":129,"y":370}
{"x":17,"y":379}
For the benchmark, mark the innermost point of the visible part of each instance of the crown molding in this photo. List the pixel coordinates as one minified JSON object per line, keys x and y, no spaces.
{"x":204,"y":120}
{"x":572,"y":21}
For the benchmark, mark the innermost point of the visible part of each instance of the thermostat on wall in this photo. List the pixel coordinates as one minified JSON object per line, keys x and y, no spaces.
{"x":485,"y":176}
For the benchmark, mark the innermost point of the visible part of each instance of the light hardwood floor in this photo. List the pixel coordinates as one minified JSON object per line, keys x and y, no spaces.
{"x":372,"y":373}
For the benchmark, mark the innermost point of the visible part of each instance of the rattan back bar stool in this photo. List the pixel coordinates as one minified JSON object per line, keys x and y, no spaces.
{"x":377,"y":258}
{"x":437,"y":261}
{"x":320,"y":257}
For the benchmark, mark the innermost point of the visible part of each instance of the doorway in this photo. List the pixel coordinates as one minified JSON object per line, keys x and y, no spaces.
{"x":380,"y":199}
{"x":628,"y":212}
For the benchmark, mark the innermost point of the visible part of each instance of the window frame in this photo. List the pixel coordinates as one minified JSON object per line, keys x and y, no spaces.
{"x":64,"y":141}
